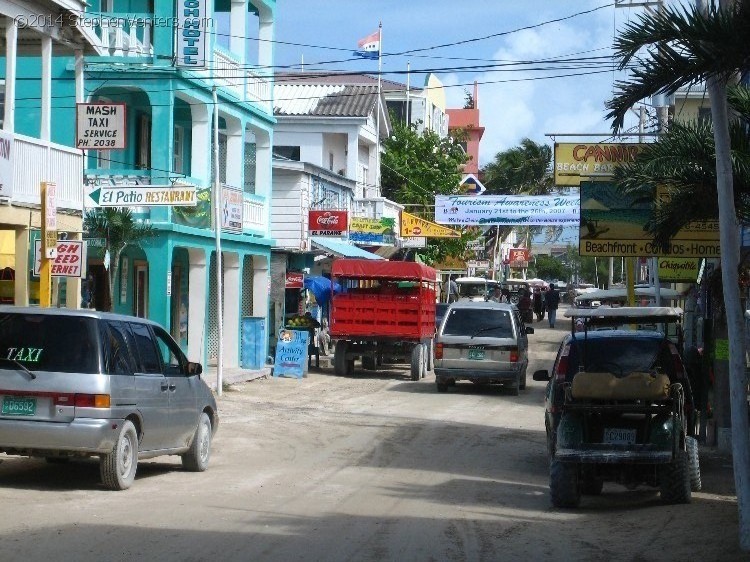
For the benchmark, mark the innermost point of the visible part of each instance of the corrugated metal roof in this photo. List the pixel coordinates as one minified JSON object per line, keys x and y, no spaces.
{"x":324,"y":100}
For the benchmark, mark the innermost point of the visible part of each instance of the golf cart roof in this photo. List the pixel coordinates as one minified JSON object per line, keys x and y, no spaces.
{"x":621,"y":293}
{"x":626,"y":315}
{"x":476,"y":280}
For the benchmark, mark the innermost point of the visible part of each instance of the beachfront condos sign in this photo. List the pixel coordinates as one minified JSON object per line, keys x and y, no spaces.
{"x":192,"y":24}
{"x":508,"y":210}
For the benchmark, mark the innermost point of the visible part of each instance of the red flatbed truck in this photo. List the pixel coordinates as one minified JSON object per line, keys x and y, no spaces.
{"x":384,"y":309}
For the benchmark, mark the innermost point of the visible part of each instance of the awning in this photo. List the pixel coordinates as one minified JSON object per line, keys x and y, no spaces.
{"x":341,"y":249}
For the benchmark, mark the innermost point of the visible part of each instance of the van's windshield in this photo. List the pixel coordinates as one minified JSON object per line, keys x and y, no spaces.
{"x":45,"y":342}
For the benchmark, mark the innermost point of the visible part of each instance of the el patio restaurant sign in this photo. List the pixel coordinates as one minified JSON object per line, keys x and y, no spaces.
{"x":577,"y":161}
{"x":516,"y":210}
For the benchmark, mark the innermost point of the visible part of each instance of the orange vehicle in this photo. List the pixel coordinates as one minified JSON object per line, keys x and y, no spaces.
{"x":384,"y":309}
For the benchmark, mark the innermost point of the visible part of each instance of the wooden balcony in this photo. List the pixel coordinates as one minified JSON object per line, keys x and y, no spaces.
{"x":123,"y":35}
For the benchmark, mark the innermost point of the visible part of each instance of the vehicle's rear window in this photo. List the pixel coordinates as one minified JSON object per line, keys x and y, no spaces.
{"x":620,"y":356}
{"x":481,"y":322}
{"x":39,"y":342}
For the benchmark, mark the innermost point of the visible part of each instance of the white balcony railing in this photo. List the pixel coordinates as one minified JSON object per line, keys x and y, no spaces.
{"x":254,"y":213}
{"x":376,"y":208}
{"x":247,"y":85}
{"x":37,"y":161}
{"x":123,"y":35}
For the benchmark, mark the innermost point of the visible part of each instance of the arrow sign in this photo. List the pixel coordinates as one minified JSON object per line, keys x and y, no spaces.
{"x":412,"y":226}
{"x":142,"y":196}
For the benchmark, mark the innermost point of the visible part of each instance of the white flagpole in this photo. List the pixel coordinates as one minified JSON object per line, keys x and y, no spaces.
{"x":377,"y":109}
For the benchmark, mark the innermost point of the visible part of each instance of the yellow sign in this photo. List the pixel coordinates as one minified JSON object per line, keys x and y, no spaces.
{"x":678,"y":269}
{"x":412,"y":226}
{"x":575,"y":162}
{"x":613,"y":224}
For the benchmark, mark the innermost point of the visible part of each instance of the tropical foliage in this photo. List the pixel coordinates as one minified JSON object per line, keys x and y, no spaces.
{"x":119,"y":229}
{"x":414,"y":168}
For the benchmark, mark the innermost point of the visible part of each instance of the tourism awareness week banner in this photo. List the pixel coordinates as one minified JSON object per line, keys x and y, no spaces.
{"x":511,"y":210}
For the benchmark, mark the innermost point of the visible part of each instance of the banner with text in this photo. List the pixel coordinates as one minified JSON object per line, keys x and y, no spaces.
{"x":378,"y":232}
{"x":510,"y":210}
{"x":613,"y":224}
{"x":412,"y":225}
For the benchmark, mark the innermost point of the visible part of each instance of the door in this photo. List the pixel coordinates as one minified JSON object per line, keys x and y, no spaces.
{"x":151,"y":390}
{"x":183,"y":407}
{"x":140,"y":298}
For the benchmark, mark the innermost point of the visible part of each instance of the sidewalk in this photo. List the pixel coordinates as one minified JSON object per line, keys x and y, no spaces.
{"x":233,"y":375}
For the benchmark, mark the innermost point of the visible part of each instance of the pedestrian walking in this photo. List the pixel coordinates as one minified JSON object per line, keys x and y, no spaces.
{"x":551,"y":302}
{"x":452,"y":290}
{"x":538,"y":304}
{"x":524,"y":306}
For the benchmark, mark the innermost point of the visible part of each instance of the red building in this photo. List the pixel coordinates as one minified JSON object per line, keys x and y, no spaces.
{"x":467,"y":119}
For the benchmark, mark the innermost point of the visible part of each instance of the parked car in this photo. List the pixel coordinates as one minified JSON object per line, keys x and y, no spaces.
{"x":619,"y":408}
{"x":475,"y":288}
{"x":513,"y":286}
{"x":81,"y":383}
{"x":483,"y":342}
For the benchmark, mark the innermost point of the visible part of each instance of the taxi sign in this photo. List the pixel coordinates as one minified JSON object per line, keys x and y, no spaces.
{"x":412,"y":225}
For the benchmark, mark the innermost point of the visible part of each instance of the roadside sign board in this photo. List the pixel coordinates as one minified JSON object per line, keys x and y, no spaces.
{"x":49,"y":219}
{"x":231,"y":209}
{"x":70,"y":260}
{"x":6,"y":164}
{"x":291,"y":353}
{"x":192,"y":22}
{"x":100,"y":126}
{"x":582,"y":161}
{"x":412,"y":225}
{"x":95,"y":242}
{"x":414,"y":242}
{"x":142,"y":196}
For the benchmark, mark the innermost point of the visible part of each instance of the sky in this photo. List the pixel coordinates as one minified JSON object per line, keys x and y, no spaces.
{"x":515,"y":101}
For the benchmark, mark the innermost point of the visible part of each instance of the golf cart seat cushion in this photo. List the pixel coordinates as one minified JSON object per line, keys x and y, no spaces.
{"x":606,"y":386}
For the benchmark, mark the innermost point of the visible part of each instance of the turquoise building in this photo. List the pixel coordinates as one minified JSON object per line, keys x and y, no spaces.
{"x":164,"y":68}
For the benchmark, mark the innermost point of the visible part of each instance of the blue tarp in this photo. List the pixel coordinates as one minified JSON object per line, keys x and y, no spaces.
{"x":320,"y":287}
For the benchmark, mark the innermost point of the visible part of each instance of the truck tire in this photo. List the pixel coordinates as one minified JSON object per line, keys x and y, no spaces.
{"x":691,"y":444}
{"x":417,"y":362}
{"x":563,"y":484}
{"x":442,"y":386}
{"x":342,"y":367}
{"x":430,"y":356}
{"x":674,"y":480}
{"x":368,"y":363}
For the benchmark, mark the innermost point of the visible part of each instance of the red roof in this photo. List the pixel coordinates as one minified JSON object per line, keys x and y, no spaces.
{"x":371,"y":269}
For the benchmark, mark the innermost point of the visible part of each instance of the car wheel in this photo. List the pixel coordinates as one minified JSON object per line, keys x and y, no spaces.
{"x":196,"y":459}
{"x":691,"y":444}
{"x":117,"y":468}
{"x":514,"y":390}
{"x":417,"y":362}
{"x":442,"y":386}
{"x":430,"y":362}
{"x":674,"y":480}
{"x":592,"y":486}
{"x":522,"y":384}
{"x":563,"y":484}
{"x":342,"y":367}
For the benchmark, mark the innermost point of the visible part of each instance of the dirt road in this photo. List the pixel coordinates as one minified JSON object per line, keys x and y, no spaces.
{"x":373,"y":467}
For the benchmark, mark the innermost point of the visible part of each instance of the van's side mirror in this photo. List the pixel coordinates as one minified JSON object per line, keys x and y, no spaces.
{"x":529,"y":330}
{"x":194,"y":368}
{"x":541,"y":375}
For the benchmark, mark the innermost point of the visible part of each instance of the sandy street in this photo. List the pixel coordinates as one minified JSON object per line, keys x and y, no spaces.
{"x":368,"y":468}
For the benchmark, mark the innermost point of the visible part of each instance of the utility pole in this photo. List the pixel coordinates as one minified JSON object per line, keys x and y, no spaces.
{"x":219,"y":260}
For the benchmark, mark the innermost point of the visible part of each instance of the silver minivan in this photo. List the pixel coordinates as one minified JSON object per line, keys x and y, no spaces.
{"x":80,"y":383}
{"x":484,"y":342}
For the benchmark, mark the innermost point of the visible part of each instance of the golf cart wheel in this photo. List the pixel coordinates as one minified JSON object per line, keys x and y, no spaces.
{"x":674,"y":480}
{"x":563,"y":484}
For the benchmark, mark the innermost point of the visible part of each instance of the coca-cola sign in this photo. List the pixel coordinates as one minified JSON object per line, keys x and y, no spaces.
{"x":294,"y":280}
{"x":327,"y":223}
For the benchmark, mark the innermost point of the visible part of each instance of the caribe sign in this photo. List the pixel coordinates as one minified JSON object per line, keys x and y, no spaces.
{"x":577,"y":161}
{"x":327,"y":223}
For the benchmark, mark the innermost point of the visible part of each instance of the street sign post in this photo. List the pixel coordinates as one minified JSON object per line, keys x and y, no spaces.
{"x":142,"y":196}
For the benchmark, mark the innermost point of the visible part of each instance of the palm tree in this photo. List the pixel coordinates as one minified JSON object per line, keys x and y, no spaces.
{"x":522,"y":170}
{"x":683,"y":47}
{"x":683,"y":161}
{"x":119,"y":229}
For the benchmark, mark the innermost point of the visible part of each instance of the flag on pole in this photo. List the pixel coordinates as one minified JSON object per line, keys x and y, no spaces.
{"x":369,"y":47}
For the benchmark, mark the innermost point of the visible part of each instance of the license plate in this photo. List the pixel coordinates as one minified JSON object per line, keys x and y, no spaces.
{"x":617,"y":436}
{"x":476,"y":354}
{"x":13,"y":406}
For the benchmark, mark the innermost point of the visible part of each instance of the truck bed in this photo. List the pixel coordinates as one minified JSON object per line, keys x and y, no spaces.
{"x":403,"y":316}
